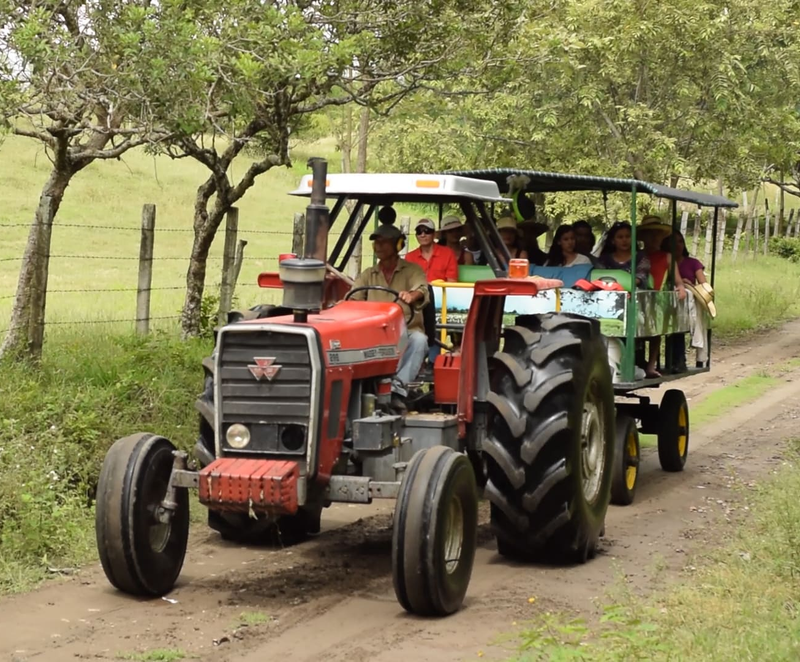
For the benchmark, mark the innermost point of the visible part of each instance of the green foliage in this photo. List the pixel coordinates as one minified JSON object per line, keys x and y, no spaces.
{"x":56,"y":424}
{"x":156,"y":655}
{"x":788,"y":248}
{"x":741,"y":604}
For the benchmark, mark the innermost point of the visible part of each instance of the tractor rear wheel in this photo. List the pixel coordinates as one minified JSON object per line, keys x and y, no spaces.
{"x":550,"y":449}
{"x":140,"y":554}
{"x":435,"y":532}
{"x":626,"y":462}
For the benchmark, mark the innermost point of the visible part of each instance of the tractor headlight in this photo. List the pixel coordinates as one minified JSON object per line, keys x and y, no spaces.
{"x":238,"y":436}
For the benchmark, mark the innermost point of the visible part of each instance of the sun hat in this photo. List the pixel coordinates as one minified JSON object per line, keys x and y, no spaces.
{"x":654,"y":223}
{"x":507,"y":223}
{"x":703,"y":296}
{"x":450,"y":223}
{"x":425,"y":223}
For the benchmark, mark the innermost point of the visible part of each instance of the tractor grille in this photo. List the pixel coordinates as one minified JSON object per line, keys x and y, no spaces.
{"x":277,"y":411}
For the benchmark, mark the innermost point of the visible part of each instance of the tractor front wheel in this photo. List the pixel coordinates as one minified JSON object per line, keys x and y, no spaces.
{"x":141,"y":551}
{"x":626,"y":462}
{"x":435,"y":532}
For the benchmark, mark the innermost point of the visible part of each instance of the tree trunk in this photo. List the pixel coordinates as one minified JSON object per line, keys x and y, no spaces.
{"x":205,"y":229}
{"x":23,"y":339}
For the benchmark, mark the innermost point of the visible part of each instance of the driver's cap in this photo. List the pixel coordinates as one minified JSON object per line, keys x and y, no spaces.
{"x":386,"y":232}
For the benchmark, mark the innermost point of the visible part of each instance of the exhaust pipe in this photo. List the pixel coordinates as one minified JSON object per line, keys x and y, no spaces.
{"x":317,"y":213}
{"x":304,"y":279}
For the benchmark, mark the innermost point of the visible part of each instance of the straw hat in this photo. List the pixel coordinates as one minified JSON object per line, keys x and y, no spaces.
{"x":654,"y":223}
{"x":508,"y":223}
{"x":450,"y":223}
{"x":703,"y":296}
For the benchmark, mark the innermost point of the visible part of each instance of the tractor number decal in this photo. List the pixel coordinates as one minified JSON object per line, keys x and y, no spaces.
{"x":349,"y":356}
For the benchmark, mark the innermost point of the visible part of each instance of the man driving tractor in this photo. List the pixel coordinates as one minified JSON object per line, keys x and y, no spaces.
{"x":409,"y":280}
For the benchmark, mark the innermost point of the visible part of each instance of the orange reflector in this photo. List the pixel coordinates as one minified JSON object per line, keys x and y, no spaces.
{"x":518,"y":268}
{"x":310,"y":182}
{"x":270,"y":279}
{"x":428,"y":183}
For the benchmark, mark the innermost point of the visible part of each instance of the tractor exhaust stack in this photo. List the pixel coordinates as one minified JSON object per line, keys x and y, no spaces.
{"x":304,"y":278}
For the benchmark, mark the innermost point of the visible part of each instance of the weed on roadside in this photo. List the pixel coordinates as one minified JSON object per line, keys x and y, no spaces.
{"x":157,"y":655}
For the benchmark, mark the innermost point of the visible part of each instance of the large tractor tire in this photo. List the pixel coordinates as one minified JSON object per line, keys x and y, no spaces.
{"x":435,"y":532}
{"x":240,"y":527}
{"x":550,"y":449}
{"x":140,"y":555}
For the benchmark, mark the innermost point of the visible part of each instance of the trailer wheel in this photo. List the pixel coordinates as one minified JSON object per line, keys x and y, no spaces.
{"x":673,"y":431}
{"x":140,"y":555}
{"x":550,"y":447}
{"x":626,"y":462}
{"x":435,"y":532}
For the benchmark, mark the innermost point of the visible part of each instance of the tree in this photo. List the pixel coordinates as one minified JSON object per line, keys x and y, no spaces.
{"x":657,"y":90}
{"x":71,"y":77}
{"x":270,"y":66}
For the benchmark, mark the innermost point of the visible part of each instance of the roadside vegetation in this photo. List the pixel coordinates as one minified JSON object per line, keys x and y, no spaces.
{"x":739,"y":604}
{"x":57,"y":422}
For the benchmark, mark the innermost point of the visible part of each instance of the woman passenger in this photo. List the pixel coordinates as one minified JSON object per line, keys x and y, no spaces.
{"x":616,"y":253}
{"x":512,"y":237}
{"x":450,"y":232}
{"x":563,"y":251}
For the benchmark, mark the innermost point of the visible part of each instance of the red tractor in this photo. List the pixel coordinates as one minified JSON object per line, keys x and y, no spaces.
{"x":296,"y":416}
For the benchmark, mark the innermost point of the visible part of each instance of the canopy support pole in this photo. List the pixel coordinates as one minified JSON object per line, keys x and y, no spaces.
{"x":631,"y":317}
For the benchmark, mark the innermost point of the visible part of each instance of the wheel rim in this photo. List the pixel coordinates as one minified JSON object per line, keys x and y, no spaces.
{"x":630,"y":460}
{"x":682,"y":436}
{"x":592,"y":455}
{"x":158,"y":533}
{"x":454,"y":535}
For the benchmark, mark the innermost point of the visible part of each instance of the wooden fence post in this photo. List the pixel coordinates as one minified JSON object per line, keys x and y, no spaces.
{"x":797,"y":224}
{"x":723,"y":226}
{"x":756,"y":228}
{"x":228,"y":265}
{"x":738,"y":235}
{"x":405,"y":224}
{"x":237,"y":263}
{"x":709,"y":239}
{"x":298,"y":232}
{"x":789,"y":223}
{"x":354,"y":266}
{"x":39,"y":285}
{"x":696,"y":231}
{"x":145,"y":282}
{"x":684,"y":222}
{"x":766,"y":225}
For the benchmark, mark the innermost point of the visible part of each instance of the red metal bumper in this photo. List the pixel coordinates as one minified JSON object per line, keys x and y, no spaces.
{"x":230,"y":483}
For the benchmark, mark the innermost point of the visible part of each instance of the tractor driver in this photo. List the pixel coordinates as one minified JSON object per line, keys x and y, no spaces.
{"x":409,"y":280}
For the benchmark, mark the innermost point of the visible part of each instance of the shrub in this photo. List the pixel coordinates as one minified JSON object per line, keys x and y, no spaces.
{"x":786,"y":248}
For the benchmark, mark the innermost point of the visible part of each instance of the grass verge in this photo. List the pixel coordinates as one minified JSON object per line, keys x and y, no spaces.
{"x":741,"y":605}
{"x":57,"y":422}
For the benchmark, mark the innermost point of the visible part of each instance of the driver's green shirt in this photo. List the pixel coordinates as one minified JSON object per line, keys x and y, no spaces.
{"x":407,"y":277}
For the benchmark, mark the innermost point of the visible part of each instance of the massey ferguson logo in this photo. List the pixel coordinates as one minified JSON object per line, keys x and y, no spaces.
{"x":264,"y":367}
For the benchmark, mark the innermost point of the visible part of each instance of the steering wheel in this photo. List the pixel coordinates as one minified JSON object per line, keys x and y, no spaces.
{"x":381,"y":288}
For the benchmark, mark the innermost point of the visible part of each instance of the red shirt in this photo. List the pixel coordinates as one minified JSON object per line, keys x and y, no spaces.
{"x":659,"y":264}
{"x":441,"y":266}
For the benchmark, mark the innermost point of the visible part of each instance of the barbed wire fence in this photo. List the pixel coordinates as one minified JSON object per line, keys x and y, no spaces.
{"x":232,"y":259}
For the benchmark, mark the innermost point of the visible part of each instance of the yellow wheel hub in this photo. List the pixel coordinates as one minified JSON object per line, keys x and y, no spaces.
{"x":632,"y":466}
{"x":682,"y":436}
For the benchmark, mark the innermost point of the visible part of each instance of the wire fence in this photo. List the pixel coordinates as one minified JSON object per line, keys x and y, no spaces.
{"x":69,"y":279}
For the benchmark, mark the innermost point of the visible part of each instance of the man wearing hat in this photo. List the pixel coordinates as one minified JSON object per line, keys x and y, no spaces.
{"x":409,"y":280}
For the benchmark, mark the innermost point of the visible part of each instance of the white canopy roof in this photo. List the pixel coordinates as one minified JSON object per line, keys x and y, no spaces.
{"x":404,"y":186}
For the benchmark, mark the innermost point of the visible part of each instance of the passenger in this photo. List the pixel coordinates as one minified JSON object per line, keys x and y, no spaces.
{"x":439,"y":263}
{"x":512,"y":237}
{"x":531,"y":230}
{"x":563,"y":250}
{"x":653,"y":231}
{"x":450,"y":232}
{"x":616,"y":253}
{"x":692,"y":271}
{"x":471,"y":246}
{"x":409,"y":280}
{"x":584,"y":238}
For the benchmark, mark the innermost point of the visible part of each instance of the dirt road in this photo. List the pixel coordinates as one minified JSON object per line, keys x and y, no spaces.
{"x":332,"y":599}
